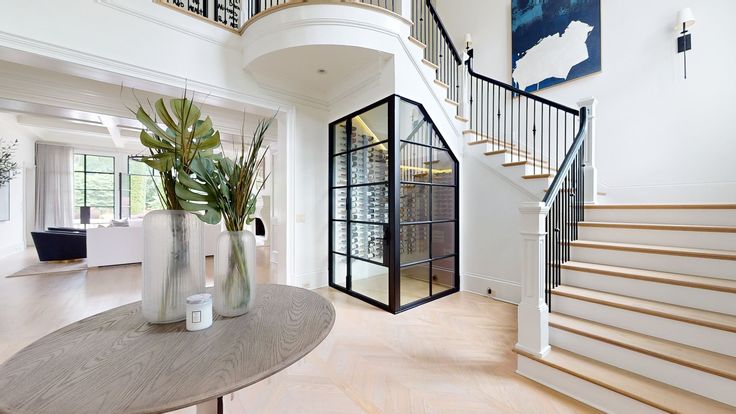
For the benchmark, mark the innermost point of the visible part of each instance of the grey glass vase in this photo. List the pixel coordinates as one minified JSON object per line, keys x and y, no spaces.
{"x":235,"y":263}
{"x":173,"y":264}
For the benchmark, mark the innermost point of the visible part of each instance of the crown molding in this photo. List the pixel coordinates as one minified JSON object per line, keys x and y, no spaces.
{"x":99,"y":68}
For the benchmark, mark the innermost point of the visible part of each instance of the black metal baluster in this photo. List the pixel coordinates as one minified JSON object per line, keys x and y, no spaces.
{"x":534,"y":137}
{"x":511,"y":122}
{"x":549,"y":139}
{"x":526,"y":130}
{"x":557,"y":139}
{"x":518,"y":126}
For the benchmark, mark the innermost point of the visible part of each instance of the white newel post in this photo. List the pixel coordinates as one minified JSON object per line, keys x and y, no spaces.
{"x":533,"y":317}
{"x":589,"y":169}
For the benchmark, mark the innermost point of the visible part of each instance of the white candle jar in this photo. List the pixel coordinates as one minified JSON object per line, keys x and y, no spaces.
{"x":199,"y":312}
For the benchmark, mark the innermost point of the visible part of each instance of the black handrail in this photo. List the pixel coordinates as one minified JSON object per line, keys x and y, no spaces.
{"x":565,"y":201}
{"x":444,"y":32}
{"x":554,"y":188}
{"x":516,"y":90}
{"x":440,"y":50}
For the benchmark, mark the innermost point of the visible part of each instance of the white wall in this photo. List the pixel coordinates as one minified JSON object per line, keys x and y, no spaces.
{"x":310,"y":198}
{"x":13,"y":233}
{"x":660,"y":138}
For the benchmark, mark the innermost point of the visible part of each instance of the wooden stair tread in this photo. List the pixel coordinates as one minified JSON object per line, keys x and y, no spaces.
{"x":659,"y":395}
{"x":663,"y":227}
{"x":430,"y":64}
{"x":451,"y":102}
{"x":496,"y":152}
{"x":417,"y":42}
{"x":507,"y":146}
{"x":535,"y":176}
{"x":714,"y":206}
{"x":652,"y":249}
{"x":700,"y":282}
{"x":442,"y":84}
{"x":461,"y":118}
{"x":709,"y":319}
{"x":697,"y":358}
{"x":533,"y":163}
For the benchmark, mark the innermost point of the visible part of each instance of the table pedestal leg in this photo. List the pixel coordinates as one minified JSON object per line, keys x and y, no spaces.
{"x":211,"y":407}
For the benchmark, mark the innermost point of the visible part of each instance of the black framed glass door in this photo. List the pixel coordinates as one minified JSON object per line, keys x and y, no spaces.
{"x":393,"y":207}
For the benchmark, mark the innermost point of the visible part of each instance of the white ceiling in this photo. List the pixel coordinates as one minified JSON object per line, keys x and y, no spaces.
{"x":297,"y":70}
{"x":64,"y":108}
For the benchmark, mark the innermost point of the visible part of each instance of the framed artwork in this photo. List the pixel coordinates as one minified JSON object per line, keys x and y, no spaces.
{"x":554,"y":41}
{"x":5,"y":202}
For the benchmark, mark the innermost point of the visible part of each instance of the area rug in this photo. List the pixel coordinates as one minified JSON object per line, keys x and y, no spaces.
{"x":52,"y":268}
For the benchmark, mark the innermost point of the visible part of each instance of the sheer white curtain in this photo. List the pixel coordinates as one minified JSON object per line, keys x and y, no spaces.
{"x":54,"y":186}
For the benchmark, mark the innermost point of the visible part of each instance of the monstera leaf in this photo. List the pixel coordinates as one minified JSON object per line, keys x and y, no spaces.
{"x":217,"y":187}
{"x":176,"y":136}
{"x":200,"y":196}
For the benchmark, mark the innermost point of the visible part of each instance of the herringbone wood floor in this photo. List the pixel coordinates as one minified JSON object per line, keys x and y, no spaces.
{"x":450,"y":356}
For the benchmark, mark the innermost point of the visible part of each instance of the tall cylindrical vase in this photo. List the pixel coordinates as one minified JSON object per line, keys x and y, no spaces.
{"x":235,"y":260}
{"x":173,"y":264}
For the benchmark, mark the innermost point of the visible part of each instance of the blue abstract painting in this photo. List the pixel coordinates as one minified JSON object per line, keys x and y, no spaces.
{"x":554,"y":41}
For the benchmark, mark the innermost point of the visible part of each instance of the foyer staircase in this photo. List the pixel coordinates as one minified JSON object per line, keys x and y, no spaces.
{"x":646,"y":308}
{"x":642,"y":298}
{"x":643,"y":308}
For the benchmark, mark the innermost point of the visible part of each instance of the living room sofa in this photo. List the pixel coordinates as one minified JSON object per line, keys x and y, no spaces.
{"x":108,"y":246}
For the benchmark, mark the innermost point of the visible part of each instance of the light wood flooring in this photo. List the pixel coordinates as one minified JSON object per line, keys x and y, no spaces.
{"x":449,"y":356}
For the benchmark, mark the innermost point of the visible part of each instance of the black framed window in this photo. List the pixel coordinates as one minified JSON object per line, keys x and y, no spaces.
{"x":94,"y":186}
{"x":394,"y":231}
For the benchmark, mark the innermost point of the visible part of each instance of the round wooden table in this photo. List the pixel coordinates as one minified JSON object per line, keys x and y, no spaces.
{"x":115,"y":362}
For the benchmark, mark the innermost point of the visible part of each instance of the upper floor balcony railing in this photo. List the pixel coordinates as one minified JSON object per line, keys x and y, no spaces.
{"x":234,"y":14}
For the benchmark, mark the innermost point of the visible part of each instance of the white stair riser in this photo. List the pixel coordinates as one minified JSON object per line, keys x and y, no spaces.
{"x":698,"y":266}
{"x":694,"y":239}
{"x":690,"y":379}
{"x":428,"y":72}
{"x":497,"y":160}
{"x":440,"y":91}
{"x":519,"y":170}
{"x":724,"y":217}
{"x":710,"y":300}
{"x":596,"y":396}
{"x":417,"y":52}
{"x":699,"y":336}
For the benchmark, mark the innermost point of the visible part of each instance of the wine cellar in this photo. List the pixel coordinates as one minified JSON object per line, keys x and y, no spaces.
{"x":393,"y":207}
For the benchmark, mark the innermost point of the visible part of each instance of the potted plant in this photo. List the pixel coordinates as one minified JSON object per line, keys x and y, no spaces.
{"x":229,"y":188}
{"x":8,"y":166}
{"x":173,"y":259}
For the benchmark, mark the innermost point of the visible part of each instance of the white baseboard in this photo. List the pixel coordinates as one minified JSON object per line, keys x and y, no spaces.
{"x":503,"y":290}
{"x":12,"y":248}
{"x":312,"y":280}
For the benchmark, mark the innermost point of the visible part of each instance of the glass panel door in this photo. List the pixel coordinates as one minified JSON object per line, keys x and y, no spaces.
{"x":360,"y":204}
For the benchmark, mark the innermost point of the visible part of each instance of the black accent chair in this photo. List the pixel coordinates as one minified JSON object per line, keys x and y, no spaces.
{"x":60,"y":244}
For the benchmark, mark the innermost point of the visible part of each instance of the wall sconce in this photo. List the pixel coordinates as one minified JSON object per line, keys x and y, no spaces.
{"x":468,"y":41}
{"x":685,"y":19}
